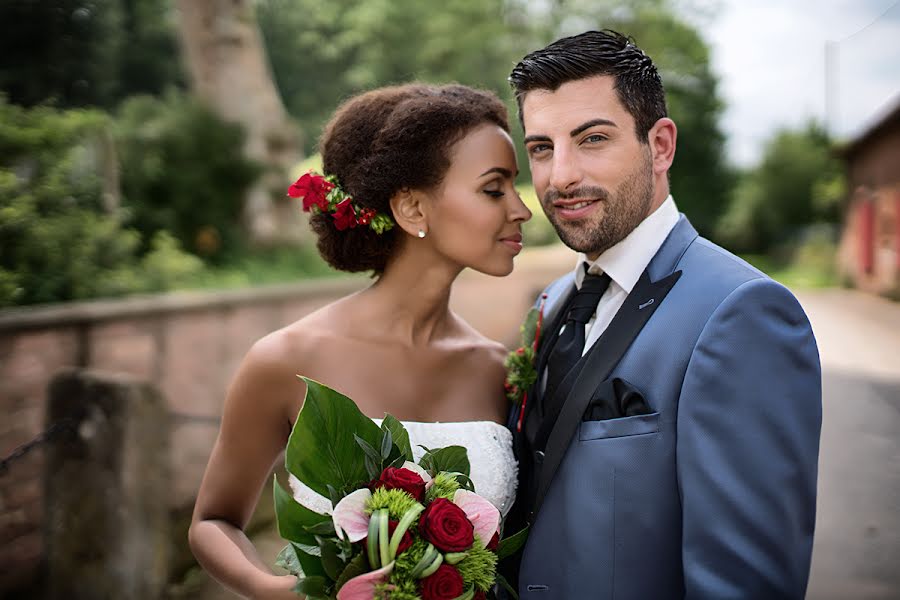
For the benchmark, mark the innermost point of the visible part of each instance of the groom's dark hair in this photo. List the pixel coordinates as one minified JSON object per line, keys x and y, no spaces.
{"x":593,"y":53}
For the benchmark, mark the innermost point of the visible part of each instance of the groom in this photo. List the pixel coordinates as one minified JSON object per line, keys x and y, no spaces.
{"x":669,"y":447}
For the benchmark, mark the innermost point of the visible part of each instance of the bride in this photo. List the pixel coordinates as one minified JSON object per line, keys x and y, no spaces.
{"x":437,"y":166}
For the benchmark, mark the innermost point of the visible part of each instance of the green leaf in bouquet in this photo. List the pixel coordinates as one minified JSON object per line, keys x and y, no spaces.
{"x":334,"y":495}
{"x":368,"y":448}
{"x":506,"y":586}
{"x":387,"y":444}
{"x":399,"y":435}
{"x":451,"y":458}
{"x":322,"y":448}
{"x":313,"y":587}
{"x":323,"y":528}
{"x":465,"y":482}
{"x":512,"y":544}
{"x":332,"y":563}
{"x":357,"y":566}
{"x":287,"y":559}
{"x":372,"y":468}
{"x":293,"y":559}
{"x":293,"y":518}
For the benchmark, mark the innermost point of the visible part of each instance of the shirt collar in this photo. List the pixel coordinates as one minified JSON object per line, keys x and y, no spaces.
{"x":625,"y":261}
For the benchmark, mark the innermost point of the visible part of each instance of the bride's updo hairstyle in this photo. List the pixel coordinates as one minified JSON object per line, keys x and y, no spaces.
{"x":390,"y":139}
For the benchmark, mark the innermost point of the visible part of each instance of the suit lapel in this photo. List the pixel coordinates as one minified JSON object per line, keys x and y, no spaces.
{"x":639,"y":306}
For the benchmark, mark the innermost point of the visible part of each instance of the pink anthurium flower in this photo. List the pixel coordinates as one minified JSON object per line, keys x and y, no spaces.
{"x":362,"y":587}
{"x":350,"y":515}
{"x":484,"y":516}
{"x":418,"y":471}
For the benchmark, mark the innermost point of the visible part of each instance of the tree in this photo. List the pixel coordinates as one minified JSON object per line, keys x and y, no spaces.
{"x":796,"y":184}
{"x":230,"y":74}
{"x":86,"y":52}
{"x":324,"y":52}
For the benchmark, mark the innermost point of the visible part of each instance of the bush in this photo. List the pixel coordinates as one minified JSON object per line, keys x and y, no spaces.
{"x":183,"y":171}
{"x":58,"y":239}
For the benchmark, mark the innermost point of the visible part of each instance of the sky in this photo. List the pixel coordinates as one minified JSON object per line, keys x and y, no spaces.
{"x":770,"y":59}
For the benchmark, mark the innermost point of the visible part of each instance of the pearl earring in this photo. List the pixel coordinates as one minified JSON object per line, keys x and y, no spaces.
{"x":421,"y":233}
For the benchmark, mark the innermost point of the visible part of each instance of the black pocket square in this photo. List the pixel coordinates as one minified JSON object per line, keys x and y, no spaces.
{"x":614,"y":399}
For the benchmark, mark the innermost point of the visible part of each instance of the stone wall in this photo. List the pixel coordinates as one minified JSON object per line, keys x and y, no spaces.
{"x":188,"y":345}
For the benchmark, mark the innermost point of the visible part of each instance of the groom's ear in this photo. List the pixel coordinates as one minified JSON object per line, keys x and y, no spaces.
{"x":408,"y":208}
{"x":662,"y":137}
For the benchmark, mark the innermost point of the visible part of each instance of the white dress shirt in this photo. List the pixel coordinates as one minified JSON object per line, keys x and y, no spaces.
{"x":625,"y":262}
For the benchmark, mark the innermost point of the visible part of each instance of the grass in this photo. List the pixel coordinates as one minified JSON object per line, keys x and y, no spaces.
{"x":797,"y":273}
{"x":269,"y":266}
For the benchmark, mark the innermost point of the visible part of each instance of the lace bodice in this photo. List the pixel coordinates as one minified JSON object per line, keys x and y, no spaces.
{"x":489,"y":446}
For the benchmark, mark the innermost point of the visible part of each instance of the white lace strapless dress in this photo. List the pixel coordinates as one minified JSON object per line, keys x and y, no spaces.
{"x":489,"y":446}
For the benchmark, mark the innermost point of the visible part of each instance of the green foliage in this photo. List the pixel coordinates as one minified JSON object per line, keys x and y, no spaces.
{"x":86,"y":52}
{"x":798,"y":182}
{"x":347,"y":46}
{"x":321,"y":449}
{"x":323,"y":52}
{"x":58,"y":239}
{"x":183,"y":170}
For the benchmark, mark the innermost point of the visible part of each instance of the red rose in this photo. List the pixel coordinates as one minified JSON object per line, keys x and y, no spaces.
{"x":405,"y":542}
{"x":445,"y":525}
{"x":344,"y":215}
{"x":479,"y":595}
{"x":313,"y":189}
{"x":494,"y":543}
{"x":393,"y":478}
{"x":444,"y":584}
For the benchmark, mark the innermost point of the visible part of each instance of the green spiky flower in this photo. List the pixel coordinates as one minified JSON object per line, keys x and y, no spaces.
{"x":444,"y":486}
{"x":396,"y":501}
{"x":404,"y":590}
{"x":479,"y":567}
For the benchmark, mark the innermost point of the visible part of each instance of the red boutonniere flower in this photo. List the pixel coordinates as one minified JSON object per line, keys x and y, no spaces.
{"x":521,"y":372}
{"x":314,"y":191}
{"x":344,"y":215}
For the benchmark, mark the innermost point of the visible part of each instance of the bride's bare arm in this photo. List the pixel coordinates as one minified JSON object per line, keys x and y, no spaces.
{"x":254,"y":431}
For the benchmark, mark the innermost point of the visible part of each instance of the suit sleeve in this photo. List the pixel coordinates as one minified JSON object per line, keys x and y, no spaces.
{"x":749,"y":420}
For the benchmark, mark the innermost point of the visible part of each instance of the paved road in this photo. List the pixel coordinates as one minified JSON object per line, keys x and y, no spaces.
{"x":857,"y":548}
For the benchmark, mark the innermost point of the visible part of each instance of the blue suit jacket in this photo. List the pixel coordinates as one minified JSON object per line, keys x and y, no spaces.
{"x":713,"y":494}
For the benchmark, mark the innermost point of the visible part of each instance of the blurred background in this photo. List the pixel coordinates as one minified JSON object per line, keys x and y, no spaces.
{"x":146,"y":240}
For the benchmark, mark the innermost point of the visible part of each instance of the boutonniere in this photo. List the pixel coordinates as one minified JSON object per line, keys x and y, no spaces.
{"x":521,"y":370}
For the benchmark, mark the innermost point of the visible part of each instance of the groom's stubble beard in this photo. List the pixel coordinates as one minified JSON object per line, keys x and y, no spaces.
{"x":622,"y":211}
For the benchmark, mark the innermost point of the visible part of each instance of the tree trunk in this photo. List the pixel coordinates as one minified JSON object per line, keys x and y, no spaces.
{"x":229,"y":71}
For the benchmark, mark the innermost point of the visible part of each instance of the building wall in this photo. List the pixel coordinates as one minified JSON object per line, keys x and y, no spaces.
{"x":869,"y":253}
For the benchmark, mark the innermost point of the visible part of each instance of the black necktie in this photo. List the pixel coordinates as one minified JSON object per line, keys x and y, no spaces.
{"x":570,"y":344}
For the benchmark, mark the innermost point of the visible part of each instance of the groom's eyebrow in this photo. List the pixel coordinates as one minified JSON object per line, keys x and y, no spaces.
{"x":591,"y":123}
{"x":574,"y":132}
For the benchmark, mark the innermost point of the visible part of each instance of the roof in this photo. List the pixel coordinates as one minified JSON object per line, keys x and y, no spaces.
{"x":888,"y":114}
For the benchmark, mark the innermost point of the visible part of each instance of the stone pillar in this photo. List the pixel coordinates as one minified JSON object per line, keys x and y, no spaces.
{"x":107,"y":530}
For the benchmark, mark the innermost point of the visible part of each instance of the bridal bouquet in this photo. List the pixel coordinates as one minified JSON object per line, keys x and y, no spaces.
{"x":397,"y":529}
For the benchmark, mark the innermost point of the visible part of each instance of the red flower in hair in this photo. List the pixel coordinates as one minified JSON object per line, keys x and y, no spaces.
{"x":344,"y":215}
{"x":313,"y":189}
{"x":366,"y":215}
